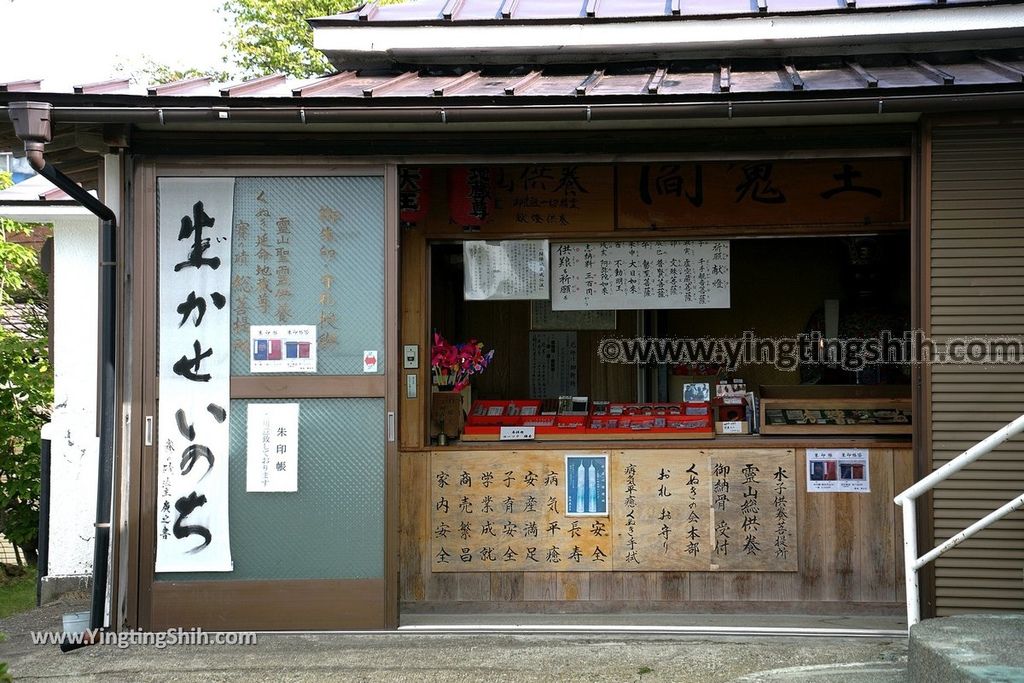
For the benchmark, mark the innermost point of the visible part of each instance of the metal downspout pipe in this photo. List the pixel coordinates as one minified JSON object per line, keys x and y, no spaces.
{"x":32,"y":125}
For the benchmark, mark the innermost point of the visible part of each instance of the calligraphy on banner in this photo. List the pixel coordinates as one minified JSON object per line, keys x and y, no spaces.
{"x":195,"y":280}
{"x":799,"y":192}
{"x":640,"y":274}
{"x":509,"y":269}
{"x":553,"y":364}
{"x":523,"y":199}
{"x":272,"y":447}
{"x":667,"y":510}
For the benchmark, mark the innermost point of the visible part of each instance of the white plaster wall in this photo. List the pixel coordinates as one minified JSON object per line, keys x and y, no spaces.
{"x":72,"y":428}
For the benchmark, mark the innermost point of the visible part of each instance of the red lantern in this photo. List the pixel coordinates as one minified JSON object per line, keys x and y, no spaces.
{"x":413,"y":194}
{"x":470,"y":195}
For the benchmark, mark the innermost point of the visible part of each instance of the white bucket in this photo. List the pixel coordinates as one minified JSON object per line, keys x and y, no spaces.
{"x":76,"y":622}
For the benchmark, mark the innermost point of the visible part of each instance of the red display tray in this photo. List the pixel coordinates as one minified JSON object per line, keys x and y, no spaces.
{"x":502,"y":413}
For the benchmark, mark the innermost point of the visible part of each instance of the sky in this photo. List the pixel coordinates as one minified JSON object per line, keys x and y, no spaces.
{"x":68,"y":42}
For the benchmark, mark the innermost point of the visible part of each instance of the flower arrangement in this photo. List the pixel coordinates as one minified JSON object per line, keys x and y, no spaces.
{"x":453,"y":364}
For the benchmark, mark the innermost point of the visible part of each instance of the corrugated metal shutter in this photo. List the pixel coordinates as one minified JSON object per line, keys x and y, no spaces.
{"x":977,"y":288}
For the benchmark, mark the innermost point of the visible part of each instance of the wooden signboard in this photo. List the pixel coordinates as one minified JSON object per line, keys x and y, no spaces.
{"x":662,"y":519}
{"x":804,"y":192}
{"x":508,"y":511}
{"x":666,"y":510}
{"x":753,"y":509}
{"x":537,"y":198}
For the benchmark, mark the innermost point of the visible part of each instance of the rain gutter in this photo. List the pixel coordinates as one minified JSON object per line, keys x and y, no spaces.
{"x":32,"y":124}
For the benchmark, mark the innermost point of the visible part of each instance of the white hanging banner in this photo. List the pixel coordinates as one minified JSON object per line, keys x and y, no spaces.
{"x":195,"y":220}
{"x":272,"y":447}
{"x":640,"y":274}
{"x":510,"y":269}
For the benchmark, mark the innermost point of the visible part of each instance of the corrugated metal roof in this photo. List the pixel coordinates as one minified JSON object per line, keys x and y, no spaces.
{"x":704,"y":80}
{"x":477,"y":11}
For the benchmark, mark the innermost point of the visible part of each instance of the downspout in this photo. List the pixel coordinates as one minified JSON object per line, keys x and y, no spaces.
{"x":32,"y":125}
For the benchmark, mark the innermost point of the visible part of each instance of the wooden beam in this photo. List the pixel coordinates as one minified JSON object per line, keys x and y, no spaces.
{"x":522,"y":82}
{"x":508,"y":8}
{"x":862,"y":73}
{"x":253,"y":85}
{"x":457,"y":84}
{"x":589,"y":82}
{"x":451,"y":9}
{"x":368,"y":11}
{"x":794,"y":77}
{"x":934,"y":73}
{"x":724,"y":77}
{"x":390,"y":84}
{"x":327,"y":83}
{"x":178,"y":87}
{"x":1003,"y":69}
{"x":654,"y":84}
{"x":101,"y":86}
{"x":21,"y":86}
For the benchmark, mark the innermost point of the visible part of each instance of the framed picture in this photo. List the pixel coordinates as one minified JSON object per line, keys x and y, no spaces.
{"x":697,"y":392}
{"x":586,"y":485}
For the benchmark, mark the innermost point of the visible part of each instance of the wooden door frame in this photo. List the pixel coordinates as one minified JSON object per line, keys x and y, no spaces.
{"x":139,"y":364}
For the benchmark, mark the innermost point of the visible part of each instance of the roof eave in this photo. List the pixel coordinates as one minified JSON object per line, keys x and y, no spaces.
{"x":350,"y":44}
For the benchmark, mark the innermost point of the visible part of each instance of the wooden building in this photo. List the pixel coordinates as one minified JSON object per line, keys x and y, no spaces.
{"x":558,"y":181}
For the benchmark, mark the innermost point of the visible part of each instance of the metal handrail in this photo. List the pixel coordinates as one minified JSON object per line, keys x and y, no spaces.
{"x":911,"y":561}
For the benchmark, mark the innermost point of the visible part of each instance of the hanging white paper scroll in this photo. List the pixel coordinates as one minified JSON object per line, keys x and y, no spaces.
{"x":272,"y":447}
{"x":512,"y":269}
{"x":640,"y":275}
{"x":195,"y":220}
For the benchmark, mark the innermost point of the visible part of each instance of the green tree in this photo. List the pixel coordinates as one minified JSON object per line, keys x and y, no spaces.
{"x":272,"y":36}
{"x":26,"y":384}
{"x":149,"y":72}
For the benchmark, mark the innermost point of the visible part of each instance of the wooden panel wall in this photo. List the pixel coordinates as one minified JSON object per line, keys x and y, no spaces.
{"x":850,"y":562}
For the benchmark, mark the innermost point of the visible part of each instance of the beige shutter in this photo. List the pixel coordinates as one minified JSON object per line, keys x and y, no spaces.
{"x":977,"y":288}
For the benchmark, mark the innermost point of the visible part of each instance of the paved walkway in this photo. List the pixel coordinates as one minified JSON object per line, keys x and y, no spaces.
{"x":401,"y":657}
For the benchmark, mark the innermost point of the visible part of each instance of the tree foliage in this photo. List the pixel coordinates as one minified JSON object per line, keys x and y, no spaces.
{"x":26,"y":384}
{"x":272,"y":36}
{"x":150,"y":72}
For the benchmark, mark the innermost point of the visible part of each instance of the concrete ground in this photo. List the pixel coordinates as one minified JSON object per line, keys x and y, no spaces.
{"x":403,"y":656}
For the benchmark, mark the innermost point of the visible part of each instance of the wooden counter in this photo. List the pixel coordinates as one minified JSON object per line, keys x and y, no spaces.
{"x":848,"y":558}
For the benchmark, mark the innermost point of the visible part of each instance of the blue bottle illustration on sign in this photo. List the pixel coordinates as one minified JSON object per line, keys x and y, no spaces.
{"x":592,"y":485}
{"x":586,"y":485}
{"x":580,"y":487}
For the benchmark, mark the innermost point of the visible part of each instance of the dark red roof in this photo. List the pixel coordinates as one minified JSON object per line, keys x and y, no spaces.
{"x":703,"y":80}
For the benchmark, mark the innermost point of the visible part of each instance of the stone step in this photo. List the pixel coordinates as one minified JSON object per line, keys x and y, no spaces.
{"x":967,"y":648}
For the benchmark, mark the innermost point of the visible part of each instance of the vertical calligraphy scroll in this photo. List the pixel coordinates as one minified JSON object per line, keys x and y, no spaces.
{"x":753,"y":510}
{"x":195,"y":219}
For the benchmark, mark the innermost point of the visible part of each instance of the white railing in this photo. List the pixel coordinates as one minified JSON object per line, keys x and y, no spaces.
{"x":911,"y":562}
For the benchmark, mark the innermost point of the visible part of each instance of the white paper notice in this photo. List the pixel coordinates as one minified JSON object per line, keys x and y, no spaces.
{"x":838,"y":470}
{"x":543,"y":318}
{"x":282,"y":348}
{"x":195,"y":348}
{"x":553,"y":364}
{"x":272,"y":447}
{"x":640,"y":275}
{"x":514,"y":269}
